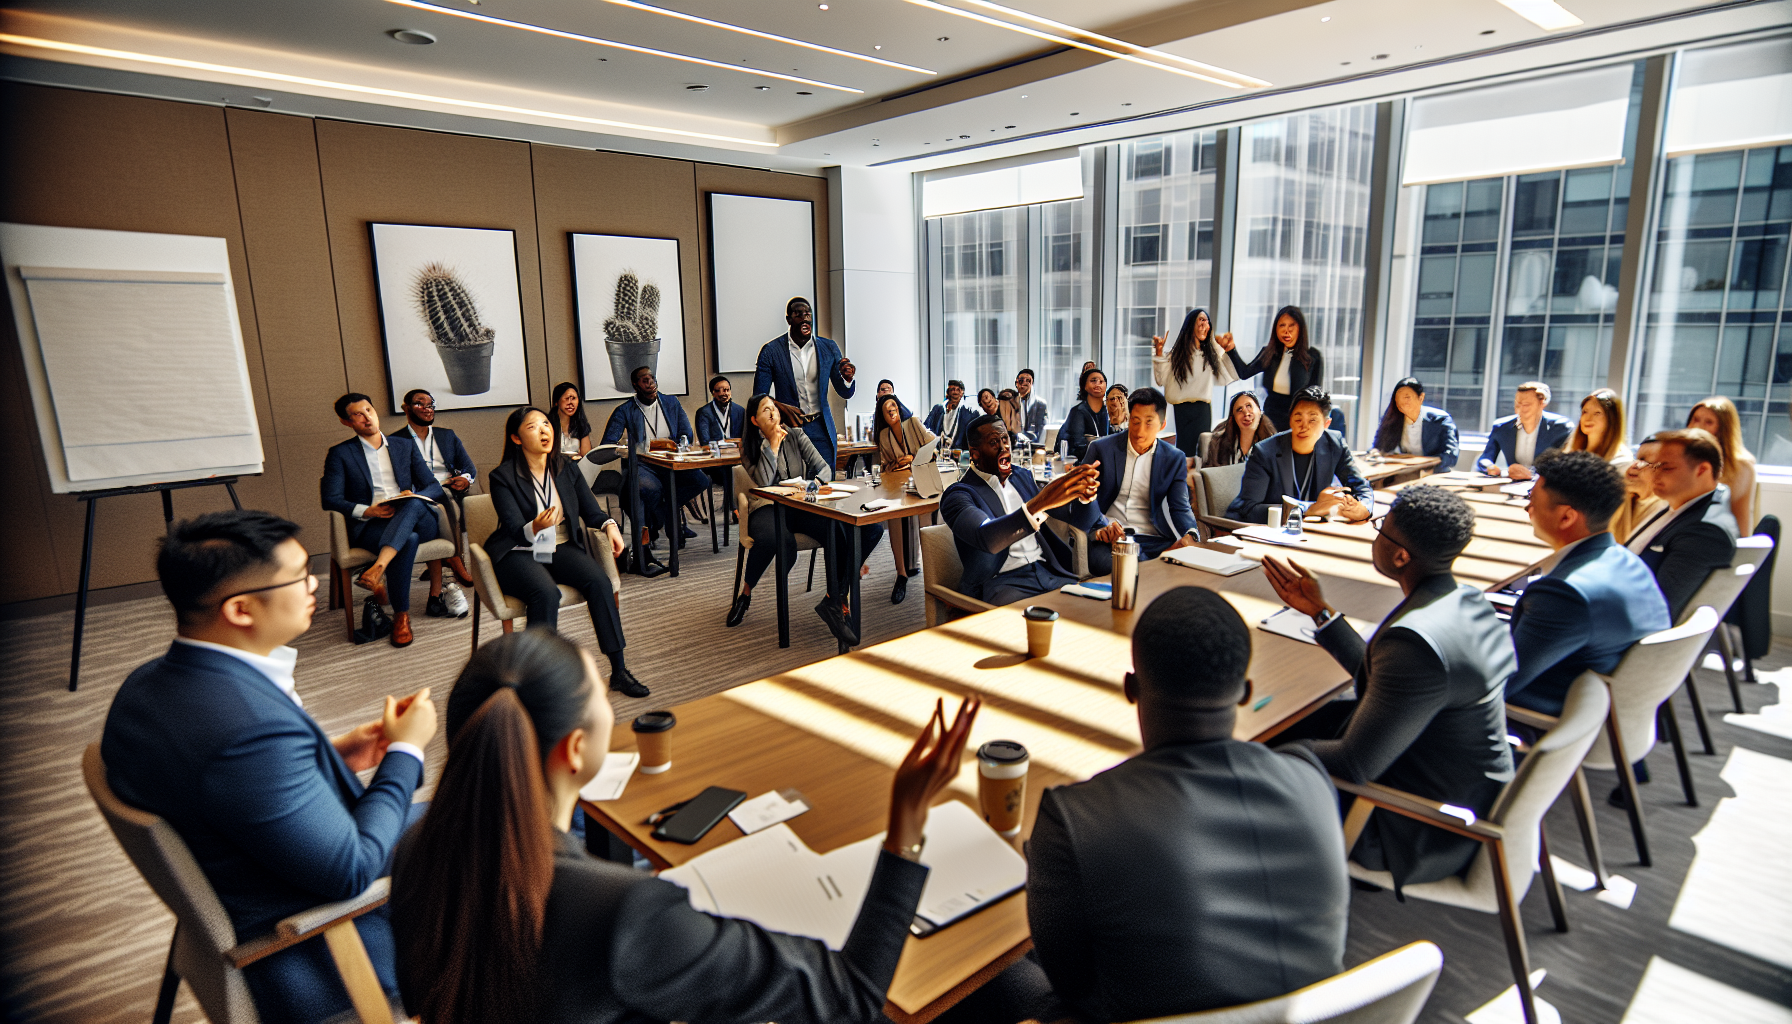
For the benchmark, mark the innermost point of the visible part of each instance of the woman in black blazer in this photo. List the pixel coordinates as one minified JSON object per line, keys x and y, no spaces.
{"x":500,"y":915}
{"x":1087,"y":417}
{"x":531,"y":490}
{"x":1305,"y":365}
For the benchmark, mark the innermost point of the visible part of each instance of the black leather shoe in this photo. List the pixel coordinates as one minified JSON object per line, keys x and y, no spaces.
{"x":838,"y":623}
{"x":739,"y":612}
{"x":437,"y":608}
{"x":626,"y":684}
{"x":651,"y":567}
{"x":900,"y":591}
{"x":688,"y":532}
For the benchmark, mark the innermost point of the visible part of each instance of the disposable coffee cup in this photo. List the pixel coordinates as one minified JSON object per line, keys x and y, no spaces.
{"x":1040,"y":620}
{"x":1275,"y":517}
{"x":1002,"y":785}
{"x":653,"y":737}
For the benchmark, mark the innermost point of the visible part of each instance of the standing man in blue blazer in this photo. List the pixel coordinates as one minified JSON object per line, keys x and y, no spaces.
{"x":453,"y":468}
{"x":655,"y":421}
{"x":1144,"y":486}
{"x":797,"y":369}
{"x":1301,"y":462}
{"x":996,"y":511}
{"x":1596,"y":599}
{"x":1522,"y":437}
{"x":948,"y":420}
{"x":213,"y":737}
{"x":364,"y":478}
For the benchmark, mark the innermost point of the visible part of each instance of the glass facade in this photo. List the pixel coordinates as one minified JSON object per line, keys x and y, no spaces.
{"x":1060,"y":334}
{"x":1453,"y":311}
{"x":977,"y":259}
{"x":1165,"y":264}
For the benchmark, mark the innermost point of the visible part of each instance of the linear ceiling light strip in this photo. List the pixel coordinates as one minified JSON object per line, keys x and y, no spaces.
{"x":1244,"y":80}
{"x":743,"y":30}
{"x":595,"y":41}
{"x":274,"y":76}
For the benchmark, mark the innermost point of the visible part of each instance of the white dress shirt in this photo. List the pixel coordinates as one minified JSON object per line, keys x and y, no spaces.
{"x":655,"y":417}
{"x":1132,"y":503}
{"x":949,"y":420}
{"x":432,"y":454}
{"x":1026,"y":550}
{"x":808,"y":375}
{"x":721,"y":410}
{"x":379,"y":467}
{"x":1282,"y":384}
{"x":1412,"y":437}
{"x":1524,"y":452}
{"x":278,"y":667}
{"x":561,"y":535}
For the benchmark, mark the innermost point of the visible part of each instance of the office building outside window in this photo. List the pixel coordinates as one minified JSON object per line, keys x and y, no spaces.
{"x":1453,"y":312}
{"x":1165,"y":254}
{"x":977,"y":260}
{"x":1060,"y":314}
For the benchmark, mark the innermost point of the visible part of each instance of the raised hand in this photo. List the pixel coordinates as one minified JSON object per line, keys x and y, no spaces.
{"x":1157,"y":344}
{"x":1079,"y":483}
{"x":931,"y":765}
{"x":1224,"y":341}
{"x":1297,"y":587}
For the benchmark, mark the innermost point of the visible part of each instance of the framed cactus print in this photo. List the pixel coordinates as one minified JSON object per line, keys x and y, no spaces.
{"x":630,"y":313}
{"x":451,"y":315}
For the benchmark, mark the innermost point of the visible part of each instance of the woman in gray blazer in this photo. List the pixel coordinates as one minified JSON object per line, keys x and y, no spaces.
{"x":770,"y":452}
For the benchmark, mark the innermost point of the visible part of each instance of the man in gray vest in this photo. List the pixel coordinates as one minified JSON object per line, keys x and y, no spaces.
{"x":1430,"y":716}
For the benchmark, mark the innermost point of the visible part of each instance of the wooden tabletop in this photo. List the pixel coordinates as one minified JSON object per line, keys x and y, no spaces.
{"x":696,"y":458}
{"x":1393,"y":466}
{"x":848,"y":509}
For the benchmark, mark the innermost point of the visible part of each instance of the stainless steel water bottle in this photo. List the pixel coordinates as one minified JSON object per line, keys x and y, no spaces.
{"x":1126,"y":571}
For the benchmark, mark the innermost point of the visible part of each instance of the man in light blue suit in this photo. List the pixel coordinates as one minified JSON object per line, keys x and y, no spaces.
{"x":213,"y":737}
{"x":1520,"y":438}
{"x":803,"y":396}
{"x":1144,"y":486}
{"x":1596,"y":600}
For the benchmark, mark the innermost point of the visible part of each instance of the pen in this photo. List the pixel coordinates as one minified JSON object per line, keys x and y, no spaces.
{"x":1263,"y":703}
{"x":665,"y":812}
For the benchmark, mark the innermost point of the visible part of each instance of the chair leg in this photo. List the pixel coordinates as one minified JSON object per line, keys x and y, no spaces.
{"x":812,"y":553}
{"x":1513,"y":925}
{"x":1698,"y":713}
{"x":1727,"y":651}
{"x":1672,"y":722}
{"x":1627,"y":780}
{"x":1582,"y":800}
{"x":348,"y":599}
{"x":358,"y":976}
{"x":1551,"y":887}
{"x":475,"y":623}
{"x":335,"y":591}
{"x":170,"y":985}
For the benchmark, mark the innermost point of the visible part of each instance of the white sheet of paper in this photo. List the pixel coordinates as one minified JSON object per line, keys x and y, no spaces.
{"x":1267,"y":535}
{"x":764,"y":811}
{"x":612,"y":778}
{"x":1295,"y":626}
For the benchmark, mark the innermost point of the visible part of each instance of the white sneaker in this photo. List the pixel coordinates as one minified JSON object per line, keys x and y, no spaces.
{"x":455,"y":598}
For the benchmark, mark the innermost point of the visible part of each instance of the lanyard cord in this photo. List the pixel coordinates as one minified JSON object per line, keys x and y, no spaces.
{"x":1300,"y":486}
{"x":543,"y":487}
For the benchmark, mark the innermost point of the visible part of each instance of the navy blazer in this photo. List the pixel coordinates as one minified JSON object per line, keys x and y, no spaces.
{"x":936,"y":419}
{"x":1171,"y":513}
{"x":709,"y":428}
{"x":628,"y":416}
{"x":1437,"y":436}
{"x":1032,"y":412}
{"x":1702,"y":538}
{"x":448,"y":447}
{"x":775,"y":376}
{"x":1269,"y":474}
{"x":1552,"y":432}
{"x":347,"y":481}
{"x":1582,"y":616}
{"x":274,"y":817}
{"x":983,"y":532}
{"x":513,"y":499}
{"x":1079,"y":423}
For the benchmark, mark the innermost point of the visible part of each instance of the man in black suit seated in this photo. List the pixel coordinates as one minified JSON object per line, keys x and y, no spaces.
{"x":1204,"y":872}
{"x":1301,"y":463}
{"x":1429,"y":717}
{"x":1696,"y":533}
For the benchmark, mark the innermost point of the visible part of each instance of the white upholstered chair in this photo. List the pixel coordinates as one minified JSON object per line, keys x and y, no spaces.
{"x":482,"y":522}
{"x":940,"y":573}
{"x":1390,"y":989}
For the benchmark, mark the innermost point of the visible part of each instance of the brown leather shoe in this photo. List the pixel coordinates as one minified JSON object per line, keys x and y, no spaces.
{"x":374,"y":579}
{"x":401,"y":629}
{"x":459,"y":568}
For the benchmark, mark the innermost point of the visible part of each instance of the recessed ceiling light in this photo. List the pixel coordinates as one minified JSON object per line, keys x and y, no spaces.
{"x":696,"y":88}
{"x":762,"y":88}
{"x":1076,"y":113}
{"x":945,"y":39}
{"x":365,"y":90}
{"x":595,"y":41}
{"x":802,"y":92}
{"x":822,"y":6}
{"x":1007,"y":127}
{"x":1344,"y":63}
{"x":1487,"y":31}
{"x":964,"y":136}
{"x":1023,"y":95}
{"x":1126,"y":104}
{"x":743,"y":30}
{"x":878,"y":47}
{"x":1379,"y":56}
{"x":412,"y":36}
{"x":1545,"y":14}
{"x":1325,"y":19}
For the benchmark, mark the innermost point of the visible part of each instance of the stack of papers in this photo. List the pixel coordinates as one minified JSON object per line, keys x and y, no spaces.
{"x":612,"y":777}
{"x":1207,"y":560}
{"x":1295,"y":626}
{"x":1269,"y":535}
{"x":772,"y":879}
{"x":762,"y":812}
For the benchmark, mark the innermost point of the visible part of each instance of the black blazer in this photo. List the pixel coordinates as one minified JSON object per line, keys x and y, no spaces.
{"x":1188,"y":878}
{"x":1079,"y":424}
{"x":1268,"y":363}
{"x":1269,"y":474}
{"x":621,"y":945}
{"x":1683,"y":555}
{"x":513,"y":498}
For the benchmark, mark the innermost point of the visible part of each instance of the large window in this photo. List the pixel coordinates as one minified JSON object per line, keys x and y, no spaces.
{"x":1717,"y":295}
{"x":1060,"y":333}
{"x":1453,"y":312}
{"x":1165,"y":264}
{"x":1303,"y":222}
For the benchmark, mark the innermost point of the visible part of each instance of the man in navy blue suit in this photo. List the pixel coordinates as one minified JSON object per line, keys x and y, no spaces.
{"x":1596,"y":599}
{"x":797,"y":370}
{"x":1301,"y":462}
{"x":656,"y":421}
{"x":364,"y":479}
{"x":950,"y":420}
{"x":1144,"y":486}
{"x":996,"y":510}
{"x":453,"y":468}
{"x":1520,"y":438}
{"x":722,"y":419}
{"x":213,"y":737}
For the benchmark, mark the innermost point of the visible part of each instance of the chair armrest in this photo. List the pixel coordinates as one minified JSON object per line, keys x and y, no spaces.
{"x":1445,"y":816}
{"x":954,"y":599}
{"x":599,"y":542}
{"x":305,"y":924}
{"x":339,"y":544}
{"x":1221,"y":522}
{"x":485,"y":580}
{"x":1534,"y":719}
{"x":1079,"y":545}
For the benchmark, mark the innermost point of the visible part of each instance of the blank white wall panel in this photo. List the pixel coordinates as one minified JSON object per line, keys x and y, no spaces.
{"x":762,"y":254}
{"x":1573,"y":120}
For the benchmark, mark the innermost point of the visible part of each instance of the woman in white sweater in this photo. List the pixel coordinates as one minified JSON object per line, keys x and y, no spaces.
{"x":1188,"y":373}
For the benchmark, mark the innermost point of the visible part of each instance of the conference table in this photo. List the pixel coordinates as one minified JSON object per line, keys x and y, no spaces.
{"x":696,"y":458}
{"x":1393,"y":469}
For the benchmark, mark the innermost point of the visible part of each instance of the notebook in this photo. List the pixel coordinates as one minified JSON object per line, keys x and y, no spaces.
{"x":1217,"y":562}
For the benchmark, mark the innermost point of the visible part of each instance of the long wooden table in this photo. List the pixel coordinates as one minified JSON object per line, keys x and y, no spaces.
{"x":1395,"y":468}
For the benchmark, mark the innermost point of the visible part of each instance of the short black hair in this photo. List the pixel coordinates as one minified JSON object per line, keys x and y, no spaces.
{"x":888,"y":381}
{"x":1191,"y":647}
{"x":972,"y":431}
{"x":1028,"y":371}
{"x":636,"y":372}
{"x":349,"y":399}
{"x":1434,"y":523}
{"x":413,"y":393}
{"x":1315,"y":394}
{"x":1582,"y":481}
{"x":959,"y":384}
{"x":718,"y":379}
{"x":201,"y":554}
{"x":1151,"y":397}
{"x":788,"y":306}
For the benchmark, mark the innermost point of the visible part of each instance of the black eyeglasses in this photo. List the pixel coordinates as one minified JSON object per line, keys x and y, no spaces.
{"x":272,"y":586}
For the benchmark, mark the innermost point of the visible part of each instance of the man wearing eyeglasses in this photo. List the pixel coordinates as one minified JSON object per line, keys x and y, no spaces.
{"x":453,"y":468}
{"x":1696,"y":533}
{"x":213,"y":736}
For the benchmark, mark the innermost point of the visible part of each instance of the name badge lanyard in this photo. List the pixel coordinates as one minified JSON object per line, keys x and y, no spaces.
{"x":431,"y":454}
{"x":543,"y":542}
{"x":1301,"y":486}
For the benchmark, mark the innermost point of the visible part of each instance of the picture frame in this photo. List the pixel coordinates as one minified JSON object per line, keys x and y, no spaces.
{"x":628,"y":311}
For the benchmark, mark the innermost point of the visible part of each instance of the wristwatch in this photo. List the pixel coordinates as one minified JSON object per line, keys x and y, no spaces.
{"x":913,"y":852}
{"x":1323,"y":619}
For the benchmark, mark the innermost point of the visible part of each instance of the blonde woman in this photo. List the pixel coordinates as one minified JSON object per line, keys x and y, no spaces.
{"x":1640,"y":502}
{"x":1601,"y":428}
{"x":1718,"y":417}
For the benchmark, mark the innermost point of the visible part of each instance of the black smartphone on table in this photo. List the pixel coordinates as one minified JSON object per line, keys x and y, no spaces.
{"x":704,"y":811}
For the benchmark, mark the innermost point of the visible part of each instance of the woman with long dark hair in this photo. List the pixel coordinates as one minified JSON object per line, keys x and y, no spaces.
{"x":500,"y":915}
{"x":1194,"y":366}
{"x":1089,"y":416}
{"x":1245,"y":425}
{"x":1288,"y":363}
{"x":898,"y":438}
{"x":572,"y":431}
{"x":536,"y":492}
{"x":771,"y":452}
{"x":1411,"y":427}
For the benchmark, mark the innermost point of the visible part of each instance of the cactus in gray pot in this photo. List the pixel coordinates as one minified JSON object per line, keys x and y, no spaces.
{"x":636,"y":320}
{"x":448,"y":309}
{"x":648,"y":320}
